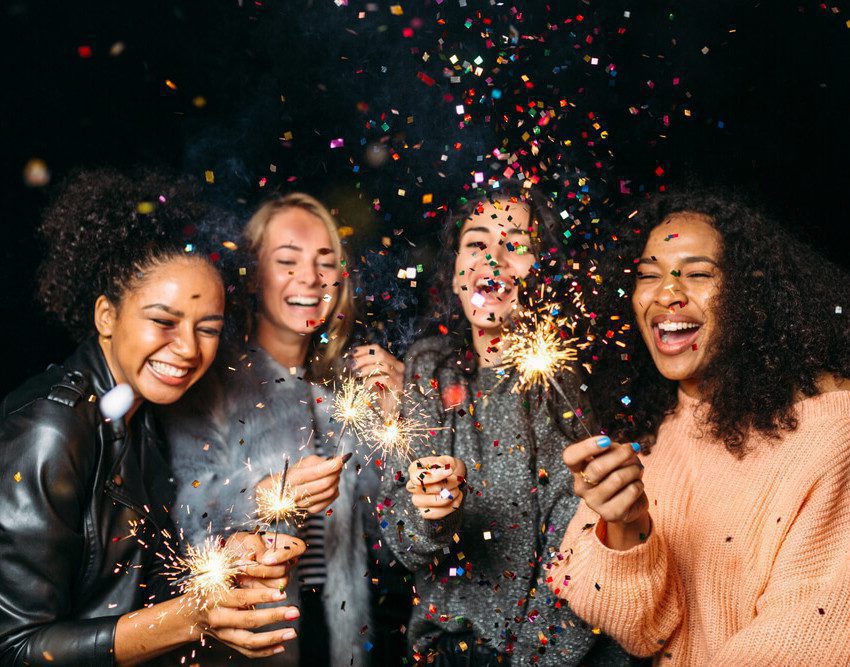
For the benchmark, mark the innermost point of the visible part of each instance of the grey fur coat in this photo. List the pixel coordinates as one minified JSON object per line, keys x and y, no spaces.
{"x":235,"y":428}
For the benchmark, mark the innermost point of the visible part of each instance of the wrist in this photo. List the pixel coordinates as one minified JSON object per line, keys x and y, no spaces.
{"x":621,"y":536}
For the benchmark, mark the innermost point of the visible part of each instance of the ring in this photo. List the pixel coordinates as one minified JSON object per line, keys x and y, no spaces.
{"x":586,"y":480}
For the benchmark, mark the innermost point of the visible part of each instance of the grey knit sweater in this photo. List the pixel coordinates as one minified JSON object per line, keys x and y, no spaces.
{"x":482,"y":568}
{"x":236,"y":427}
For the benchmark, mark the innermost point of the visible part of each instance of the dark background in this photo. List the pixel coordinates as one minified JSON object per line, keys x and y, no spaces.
{"x":740,"y":93}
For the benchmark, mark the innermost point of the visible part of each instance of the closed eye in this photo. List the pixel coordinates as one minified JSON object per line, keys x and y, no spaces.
{"x":210,"y":331}
{"x":162,"y":323}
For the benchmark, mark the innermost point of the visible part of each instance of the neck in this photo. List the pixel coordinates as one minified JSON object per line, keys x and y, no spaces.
{"x":488,"y":355}
{"x":118,"y":378}
{"x":690,"y":387}
{"x":286,"y":347}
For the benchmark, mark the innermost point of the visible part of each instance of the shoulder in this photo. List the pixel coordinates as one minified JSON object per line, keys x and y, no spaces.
{"x":50,"y":422}
{"x":825,"y":419}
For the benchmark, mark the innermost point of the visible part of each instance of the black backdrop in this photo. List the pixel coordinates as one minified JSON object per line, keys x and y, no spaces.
{"x":752,"y":94}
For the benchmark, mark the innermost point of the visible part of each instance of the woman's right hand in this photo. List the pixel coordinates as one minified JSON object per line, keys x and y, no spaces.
{"x":234,"y":621}
{"x":609,"y":477}
{"x":436,"y":484}
{"x":314,"y":481}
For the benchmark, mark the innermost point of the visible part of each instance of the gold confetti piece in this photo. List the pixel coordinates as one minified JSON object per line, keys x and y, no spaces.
{"x":171,"y":84}
{"x":230,"y":245}
{"x":199,"y":101}
{"x":145,"y":207}
{"x":18,"y":477}
{"x":47,"y":656}
{"x":196,"y":484}
{"x":209,"y":176}
{"x":396,"y":10}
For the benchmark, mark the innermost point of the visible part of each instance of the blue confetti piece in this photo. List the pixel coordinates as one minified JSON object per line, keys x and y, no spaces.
{"x":625,"y":400}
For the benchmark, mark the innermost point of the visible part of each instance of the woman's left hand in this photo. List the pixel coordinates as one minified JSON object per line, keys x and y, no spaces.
{"x":266,"y":562}
{"x":381,"y":372}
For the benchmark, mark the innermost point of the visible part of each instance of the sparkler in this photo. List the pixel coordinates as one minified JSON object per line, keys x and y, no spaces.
{"x":210,"y":572}
{"x":538,"y":352}
{"x":394,"y":436}
{"x":277,"y":502}
{"x":353,"y":407}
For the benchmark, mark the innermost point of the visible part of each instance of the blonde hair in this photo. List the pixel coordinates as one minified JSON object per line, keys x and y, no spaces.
{"x":340,"y":321}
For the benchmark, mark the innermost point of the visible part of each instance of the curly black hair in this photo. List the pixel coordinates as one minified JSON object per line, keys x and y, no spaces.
{"x":105,"y":228}
{"x":782,"y":325}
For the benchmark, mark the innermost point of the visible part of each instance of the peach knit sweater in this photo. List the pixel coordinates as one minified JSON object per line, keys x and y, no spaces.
{"x":748,"y":561}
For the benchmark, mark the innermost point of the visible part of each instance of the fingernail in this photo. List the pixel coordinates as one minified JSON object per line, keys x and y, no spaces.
{"x":291,"y":614}
{"x":278,"y":649}
{"x":603,"y":441}
{"x":636,"y":446}
{"x":347,"y":457}
{"x":268,"y":558}
{"x":288,"y":634}
{"x":279,"y":595}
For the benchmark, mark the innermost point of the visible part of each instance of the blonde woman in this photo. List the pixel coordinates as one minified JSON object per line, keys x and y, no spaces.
{"x":271,"y":403}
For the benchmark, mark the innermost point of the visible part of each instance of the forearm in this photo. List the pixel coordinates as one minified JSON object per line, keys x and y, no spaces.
{"x":633,"y":595}
{"x":147,"y":633}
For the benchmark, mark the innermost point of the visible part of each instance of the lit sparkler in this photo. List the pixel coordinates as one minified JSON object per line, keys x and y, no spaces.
{"x":210,"y":572}
{"x":277,"y":502}
{"x":539,"y":353}
{"x":394,"y":436}
{"x":353,"y":407}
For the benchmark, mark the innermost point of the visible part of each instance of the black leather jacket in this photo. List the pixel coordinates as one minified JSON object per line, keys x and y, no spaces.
{"x":83,"y":507}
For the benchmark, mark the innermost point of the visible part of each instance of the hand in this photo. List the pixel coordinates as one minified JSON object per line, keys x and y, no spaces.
{"x":314,"y":481}
{"x":436,"y":485}
{"x":233,"y":619}
{"x":609,"y":477}
{"x":266,"y":566}
{"x":381,"y":372}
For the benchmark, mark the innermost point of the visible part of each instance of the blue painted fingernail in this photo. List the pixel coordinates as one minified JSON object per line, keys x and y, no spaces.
{"x":636,"y":446}
{"x":603,"y":442}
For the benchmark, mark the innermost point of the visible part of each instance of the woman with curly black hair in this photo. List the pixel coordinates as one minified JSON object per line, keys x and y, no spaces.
{"x":479,"y":510}
{"x":85,"y":532}
{"x":722,"y":538}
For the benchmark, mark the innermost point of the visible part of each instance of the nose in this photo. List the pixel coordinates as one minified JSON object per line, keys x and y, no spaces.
{"x":670,"y":292}
{"x":307,"y":273}
{"x":185,"y":343}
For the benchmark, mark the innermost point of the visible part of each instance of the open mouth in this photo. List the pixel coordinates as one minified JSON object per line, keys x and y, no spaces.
{"x":168,"y":373}
{"x":491,"y":286}
{"x":302,"y":301}
{"x":675,"y":337}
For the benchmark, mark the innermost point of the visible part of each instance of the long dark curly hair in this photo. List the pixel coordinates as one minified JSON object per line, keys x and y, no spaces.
{"x":105,"y":228}
{"x":782,"y":314}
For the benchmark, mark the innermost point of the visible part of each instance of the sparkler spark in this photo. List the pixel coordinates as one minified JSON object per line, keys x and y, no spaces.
{"x":210,"y":571}
{"x":276,"y":502}
{"x":539,"y":353}
{"x":353,"y":406}
{"x":395,"y":436}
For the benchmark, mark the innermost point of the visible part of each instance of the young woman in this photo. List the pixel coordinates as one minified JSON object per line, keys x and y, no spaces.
{"x":85,"y":529}
{"x":725,"y":540}
{"x":474,"y":514}
{"x":272,"y":403}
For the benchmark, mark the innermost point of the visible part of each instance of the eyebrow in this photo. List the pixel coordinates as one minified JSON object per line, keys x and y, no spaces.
{"x":179,"y":313}
{"x":290,"y":246}
{"x":686,"y":260}
{"x":486,"y":230}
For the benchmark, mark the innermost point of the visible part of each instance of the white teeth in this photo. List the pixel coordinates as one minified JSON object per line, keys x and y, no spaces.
{"x":168,"y":369}
{"x":494,"y":285}
{"x":302,"y":300}
{"x":667,"y":325}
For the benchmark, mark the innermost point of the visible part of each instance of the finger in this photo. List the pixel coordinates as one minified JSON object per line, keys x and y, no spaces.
{"x":257,"y":571}
{"x":251,"y":619}
{"x":288,"y":547}
{"x":451,"y":485}
{"x":239,"y":597}
{"x":618,"y":507}
{"x":612,"y":484}
{"x":618,"y":456}
{"x":316,"y":507}
{"x":279,"y":583}
{"x":577,"y":454}
{"x":316,"y":487}
{"x":254,"y":641}
{"x":423,"y":501}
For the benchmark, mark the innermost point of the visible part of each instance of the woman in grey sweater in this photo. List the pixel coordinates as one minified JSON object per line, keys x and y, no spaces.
{"x":478,"y":513}
{"x":271,"y":404}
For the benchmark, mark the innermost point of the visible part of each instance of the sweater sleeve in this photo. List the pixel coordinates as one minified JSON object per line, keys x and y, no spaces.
{"x":634,"y":596}
{"x":416,"y":541}
{"x":803,"y":614}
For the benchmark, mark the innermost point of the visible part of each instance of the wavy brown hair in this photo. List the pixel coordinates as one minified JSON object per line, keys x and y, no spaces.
{"x":782,"y":314}
{"x":340,"y":322}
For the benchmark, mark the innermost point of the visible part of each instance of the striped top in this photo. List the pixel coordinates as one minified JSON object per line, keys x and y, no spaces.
{"x":312,"y":569}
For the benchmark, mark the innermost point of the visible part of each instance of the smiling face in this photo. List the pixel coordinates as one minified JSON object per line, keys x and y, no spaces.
{"x":298,"y":275}
{"x":164,"y":334}
{"x":494,"y":254}
{"x":677,"y":280}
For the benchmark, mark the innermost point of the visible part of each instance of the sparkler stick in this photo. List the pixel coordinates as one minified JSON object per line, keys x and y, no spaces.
{"x":537,"y":351}
{"x":276,"y":503}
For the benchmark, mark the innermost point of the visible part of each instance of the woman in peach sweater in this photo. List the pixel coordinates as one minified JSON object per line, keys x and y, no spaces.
{"x":723,"y":538}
